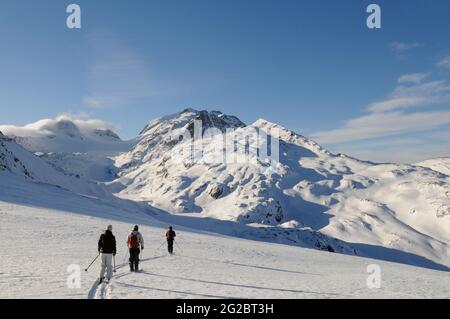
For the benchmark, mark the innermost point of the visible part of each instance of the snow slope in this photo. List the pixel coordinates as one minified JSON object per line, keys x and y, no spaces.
{"x":58,"y":228}
{"x":441,"y":165}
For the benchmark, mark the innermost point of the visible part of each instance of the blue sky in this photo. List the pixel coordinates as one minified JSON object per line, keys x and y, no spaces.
{"x":312,"y":66}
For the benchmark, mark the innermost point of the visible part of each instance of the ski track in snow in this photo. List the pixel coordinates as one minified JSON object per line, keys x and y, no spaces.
{"x":103,"y":291}
{"x":204,"y":265}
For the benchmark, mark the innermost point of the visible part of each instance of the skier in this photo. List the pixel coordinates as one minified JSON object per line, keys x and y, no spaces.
{"x":107,"y":249}
{"x":135,"y":244}
{"x":170,"y":235}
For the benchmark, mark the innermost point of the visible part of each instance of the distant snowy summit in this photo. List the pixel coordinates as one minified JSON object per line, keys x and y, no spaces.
{"x":441,"y":164}
{"x":18,"y":163}
{"x":65,"y":134}
{"x":76,"y":148}
{"x":213,"y":119}
{"x":158,"y":136}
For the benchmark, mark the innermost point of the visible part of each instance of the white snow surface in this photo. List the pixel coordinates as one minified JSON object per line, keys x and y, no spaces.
{"x":58,"y":229}
{"x":250,"y":224}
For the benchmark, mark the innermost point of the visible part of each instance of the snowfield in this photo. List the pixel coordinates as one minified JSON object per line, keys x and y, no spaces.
{"x":205,"y":265}
{"x":306,"y":226}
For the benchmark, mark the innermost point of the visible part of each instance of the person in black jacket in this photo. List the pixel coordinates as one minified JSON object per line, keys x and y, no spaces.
{"x":107,"y":249}
{"x":170,"y":236}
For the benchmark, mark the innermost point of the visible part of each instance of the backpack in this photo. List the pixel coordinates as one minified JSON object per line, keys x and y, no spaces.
{"x":170,"y":235}
{"x":133,"y":241}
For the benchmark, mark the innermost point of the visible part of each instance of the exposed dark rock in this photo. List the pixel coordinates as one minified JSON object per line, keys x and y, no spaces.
{"x":216,"y":191}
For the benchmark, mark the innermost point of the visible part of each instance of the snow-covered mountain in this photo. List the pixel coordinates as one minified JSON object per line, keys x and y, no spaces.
{"x":18,"y":163}
{"x":64,"y":134}
{"x":308,"y":197}
{"x":378,"y":209}
{"x":38,"y":219}
{"x":79,"y":148}
{"x":158,"y":136}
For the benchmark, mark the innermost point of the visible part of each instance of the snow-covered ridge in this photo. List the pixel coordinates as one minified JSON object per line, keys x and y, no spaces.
{"x":289,"y":136}
{"x":65,"y":134}
{"x":161,"y":135}
{"x":441,"y":164}
{"x":178,"y":120}
{"x":8,"y":160}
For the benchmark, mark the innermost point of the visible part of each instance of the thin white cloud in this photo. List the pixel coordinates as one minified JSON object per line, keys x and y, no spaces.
{"x":118,"y":74}
{"x":51,"y":126}
{"x":431,"y":88}
{"x":415,"y":95}
{"x":392,"y":117}
{"x":444,"y":62}
{"x":399,"y":153}
{"x":379,"y":125}
{"x":413,"y":78}
{"x":400,"y":47}
{"x":390,"y":131}
{"x":80,"y":115}
{"x":400,"y":149}
{"x":396,"y":103}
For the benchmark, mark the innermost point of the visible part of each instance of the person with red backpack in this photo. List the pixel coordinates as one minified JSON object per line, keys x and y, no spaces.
{"x":135,"y":243}
{"x":170,"y":235}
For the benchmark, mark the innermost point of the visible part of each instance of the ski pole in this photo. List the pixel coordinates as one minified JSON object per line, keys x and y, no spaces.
{"x":126,"y":256}
{"x":161,"y":245}
{"x":92,"y":262}
{"x":114,"y":258}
